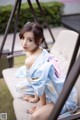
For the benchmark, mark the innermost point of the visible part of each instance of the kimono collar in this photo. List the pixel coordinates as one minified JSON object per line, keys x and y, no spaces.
{"x":43,"y":57}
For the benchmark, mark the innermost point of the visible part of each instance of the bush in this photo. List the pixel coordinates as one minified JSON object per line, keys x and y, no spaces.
{"x":52,"y":11}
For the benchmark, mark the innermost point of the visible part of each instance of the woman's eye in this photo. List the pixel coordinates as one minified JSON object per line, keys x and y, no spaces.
{"x":30,"y":40}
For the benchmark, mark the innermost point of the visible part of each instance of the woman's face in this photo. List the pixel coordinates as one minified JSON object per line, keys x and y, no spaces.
{"x":28,"y":42}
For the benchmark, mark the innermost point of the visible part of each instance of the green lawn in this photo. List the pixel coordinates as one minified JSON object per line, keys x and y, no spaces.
{"x":6,"y":100}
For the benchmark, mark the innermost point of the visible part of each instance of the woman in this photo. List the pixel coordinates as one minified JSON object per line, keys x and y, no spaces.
{"x":44,"y":78}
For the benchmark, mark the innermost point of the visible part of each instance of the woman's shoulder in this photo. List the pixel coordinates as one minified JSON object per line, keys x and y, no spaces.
{"x":45,"y":53}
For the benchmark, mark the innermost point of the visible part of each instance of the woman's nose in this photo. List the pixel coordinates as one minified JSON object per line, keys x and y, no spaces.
{"x":24,"y":42}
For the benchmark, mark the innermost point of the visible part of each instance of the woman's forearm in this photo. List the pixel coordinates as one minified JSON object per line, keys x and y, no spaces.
{"x":43,"y":99}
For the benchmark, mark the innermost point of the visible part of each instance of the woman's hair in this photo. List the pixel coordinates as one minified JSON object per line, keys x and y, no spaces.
{"x":35,"y":28}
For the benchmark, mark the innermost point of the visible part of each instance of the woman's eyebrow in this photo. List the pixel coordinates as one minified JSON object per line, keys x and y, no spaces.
{"x":30,"y":37}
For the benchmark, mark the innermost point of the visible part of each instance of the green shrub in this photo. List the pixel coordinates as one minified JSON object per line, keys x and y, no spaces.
{"x":52,"y":11}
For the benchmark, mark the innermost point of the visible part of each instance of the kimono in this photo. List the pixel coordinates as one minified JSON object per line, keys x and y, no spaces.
{"x":45,"y":76}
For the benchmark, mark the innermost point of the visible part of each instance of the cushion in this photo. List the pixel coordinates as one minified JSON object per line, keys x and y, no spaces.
{"x":12,"y":81}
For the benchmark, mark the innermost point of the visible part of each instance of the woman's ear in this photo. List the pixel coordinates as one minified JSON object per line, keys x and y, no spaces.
{"x":38,"y":43}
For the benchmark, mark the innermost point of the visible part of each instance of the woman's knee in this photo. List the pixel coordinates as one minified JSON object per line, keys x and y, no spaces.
{"x":35,"y":116}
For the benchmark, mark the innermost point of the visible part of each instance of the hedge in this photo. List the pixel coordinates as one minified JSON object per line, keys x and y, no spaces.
{"x":52,"y":11}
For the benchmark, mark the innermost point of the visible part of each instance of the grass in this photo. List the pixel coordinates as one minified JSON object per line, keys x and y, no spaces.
{"x":6,"y":100}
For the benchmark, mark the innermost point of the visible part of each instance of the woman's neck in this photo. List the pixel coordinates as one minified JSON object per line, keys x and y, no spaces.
{"x":38,"y":50}
{"x":34,"y":51}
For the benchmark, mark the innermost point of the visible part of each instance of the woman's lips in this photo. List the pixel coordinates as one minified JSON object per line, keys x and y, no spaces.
{"x":25,"y":47}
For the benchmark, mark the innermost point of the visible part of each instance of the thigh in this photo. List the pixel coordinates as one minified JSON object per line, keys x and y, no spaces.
{"x":43,"y":113}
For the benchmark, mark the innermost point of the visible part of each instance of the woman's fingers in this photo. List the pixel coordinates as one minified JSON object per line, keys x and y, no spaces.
{"x":30,"y":111}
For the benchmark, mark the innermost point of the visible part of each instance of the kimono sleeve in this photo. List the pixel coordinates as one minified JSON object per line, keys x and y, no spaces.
{"x":21,"y":72}
{"x":39,"y":82}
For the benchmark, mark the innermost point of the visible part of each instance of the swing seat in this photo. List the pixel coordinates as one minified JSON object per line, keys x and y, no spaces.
{"x":63,"y":49}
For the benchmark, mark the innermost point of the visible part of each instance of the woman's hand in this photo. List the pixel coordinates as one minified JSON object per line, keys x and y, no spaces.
{"x":31,"y":99}
{"x":30,"y":111}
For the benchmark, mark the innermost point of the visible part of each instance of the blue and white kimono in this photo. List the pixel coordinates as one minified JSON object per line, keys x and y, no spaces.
{"x":45,"y":77}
